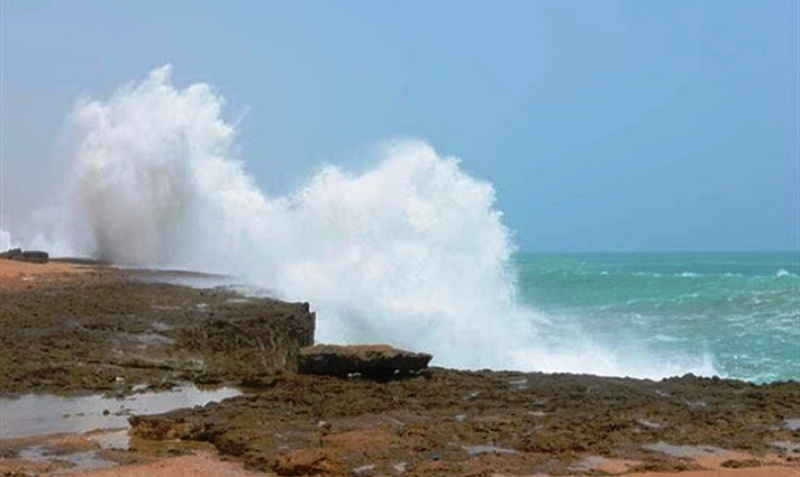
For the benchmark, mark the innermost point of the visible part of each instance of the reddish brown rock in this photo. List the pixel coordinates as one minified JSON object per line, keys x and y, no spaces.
{"x":305,"y":462}
{"x":376,"y":361}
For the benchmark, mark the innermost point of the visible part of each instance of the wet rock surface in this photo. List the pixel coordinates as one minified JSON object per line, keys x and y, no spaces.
{"x":380,"y":362}
{"x":110,"y":331}
{"x":447,"y":422}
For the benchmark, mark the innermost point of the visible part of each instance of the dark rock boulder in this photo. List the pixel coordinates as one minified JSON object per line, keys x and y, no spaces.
{"x":372,"y":361}
{"x":32,"y":256}
{"x":11,"y":253}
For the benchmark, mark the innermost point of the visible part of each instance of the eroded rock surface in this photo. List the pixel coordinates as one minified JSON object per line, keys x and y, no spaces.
{"x":374,"y":361}
{"x":107,"y":330}
{"x":446,"y":422}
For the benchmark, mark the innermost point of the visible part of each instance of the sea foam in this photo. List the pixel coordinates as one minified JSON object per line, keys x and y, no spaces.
{"x":412,"y":251}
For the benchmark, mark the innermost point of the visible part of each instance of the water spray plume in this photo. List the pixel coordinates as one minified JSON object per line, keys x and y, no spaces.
{"x":412,"y":251}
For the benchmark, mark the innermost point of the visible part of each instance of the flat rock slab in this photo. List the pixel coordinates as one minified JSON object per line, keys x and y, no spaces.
{"x":376,"y":361}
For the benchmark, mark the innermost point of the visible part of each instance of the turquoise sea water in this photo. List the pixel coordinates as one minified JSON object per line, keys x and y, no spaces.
{"x":741,"y":310}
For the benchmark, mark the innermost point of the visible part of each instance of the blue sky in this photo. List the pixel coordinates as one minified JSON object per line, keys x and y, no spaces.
{"x":669,"y":125}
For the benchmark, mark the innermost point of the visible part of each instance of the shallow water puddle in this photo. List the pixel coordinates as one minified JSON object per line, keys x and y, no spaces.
{"x":478,"y":450}
{"x":684,"y":450}
{"x":102,"y":423}
{"x":34,"y":415}
{"x":76,"y":461}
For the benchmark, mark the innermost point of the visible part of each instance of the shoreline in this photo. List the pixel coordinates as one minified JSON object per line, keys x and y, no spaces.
{"x":81,"y":328}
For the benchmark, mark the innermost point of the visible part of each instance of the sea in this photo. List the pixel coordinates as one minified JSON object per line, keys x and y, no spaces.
{"x":741,"y":310}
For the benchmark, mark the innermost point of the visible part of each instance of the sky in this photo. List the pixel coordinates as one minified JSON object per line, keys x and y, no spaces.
{"x":603,"y":125}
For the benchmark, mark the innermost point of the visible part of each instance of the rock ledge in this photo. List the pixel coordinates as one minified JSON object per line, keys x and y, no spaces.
{"x":372,"y":361}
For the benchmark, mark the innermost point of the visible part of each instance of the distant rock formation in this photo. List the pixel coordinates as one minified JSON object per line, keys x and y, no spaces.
{"x":32,"y":256}
{"x":10,"y":253}
{"x":371,"y":361}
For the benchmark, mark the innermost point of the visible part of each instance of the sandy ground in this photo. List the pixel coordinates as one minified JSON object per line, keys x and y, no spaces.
{"x":23,"y":275}
{"x":200,"y":465}
{"x":209,"y":464}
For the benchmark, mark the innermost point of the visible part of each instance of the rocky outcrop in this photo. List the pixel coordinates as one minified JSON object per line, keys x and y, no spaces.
{"x":32,"y":256}
{"x":373,"y":361}
{"x":10,"y":253}
{"x":110,"y":330}
{"x":252,"y":337}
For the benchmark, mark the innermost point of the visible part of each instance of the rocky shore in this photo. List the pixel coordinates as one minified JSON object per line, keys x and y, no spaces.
{"x":447,"y":422}
{"x":81,"y":329}
{"x":108,"y":330}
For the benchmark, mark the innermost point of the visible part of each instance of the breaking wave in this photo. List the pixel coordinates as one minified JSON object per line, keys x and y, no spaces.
{"x":411,"y":252}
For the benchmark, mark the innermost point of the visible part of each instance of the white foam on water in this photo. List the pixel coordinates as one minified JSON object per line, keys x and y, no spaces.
{"x":412,"y":251}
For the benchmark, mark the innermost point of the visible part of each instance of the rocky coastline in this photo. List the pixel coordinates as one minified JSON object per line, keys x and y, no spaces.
{"x":77,"y":329}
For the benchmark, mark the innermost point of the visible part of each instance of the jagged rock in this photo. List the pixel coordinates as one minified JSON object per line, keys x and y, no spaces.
{"x":377,"y":361}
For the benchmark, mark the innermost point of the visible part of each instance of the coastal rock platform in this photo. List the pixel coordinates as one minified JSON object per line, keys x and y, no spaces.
{"x":446,"y":422}
{"x":98,"y":329}
{"x":79,"y":328}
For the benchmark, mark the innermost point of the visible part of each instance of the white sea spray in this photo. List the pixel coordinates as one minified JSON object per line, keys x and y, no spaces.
{"x":5,"y":240}
{"x":412,"y":252}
